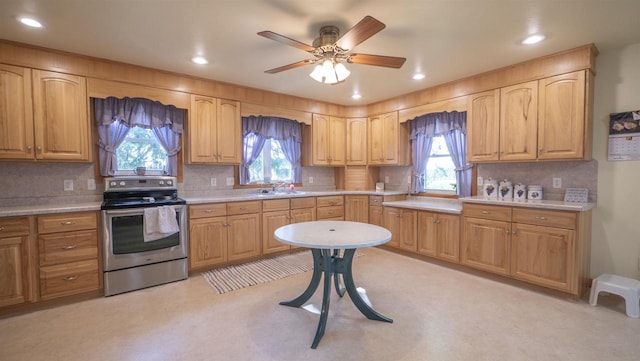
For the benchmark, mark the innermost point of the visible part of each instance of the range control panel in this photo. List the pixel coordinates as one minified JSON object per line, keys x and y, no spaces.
{"x":116,"y":184}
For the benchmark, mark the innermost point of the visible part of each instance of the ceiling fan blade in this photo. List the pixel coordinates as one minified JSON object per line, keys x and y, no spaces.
{"x":285,"y":40}
{"x":377,"y":60}
{"x":290,"y":66}
{"x":360,"y":32}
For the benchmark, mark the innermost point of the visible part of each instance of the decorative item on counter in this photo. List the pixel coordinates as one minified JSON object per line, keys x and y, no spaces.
{"x":535,"y":193}
{"x":577,"y":195}
{"x":292,"y":188}
{"x":520,"y":192}
{"x":490,"y":189}
{"x":379,"y":186}
{"x":505,"y":190}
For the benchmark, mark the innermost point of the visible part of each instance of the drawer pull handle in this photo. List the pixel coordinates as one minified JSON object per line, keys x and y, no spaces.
{"x":485,"y":212}
{"x":70,"y":278}
{"x":541,"y":218}
{"x":68,"y":247}
{"x":66,"y":223}
{"x":243,"y":208}
{"x":208,"y":211}
{"x":1,"y":229}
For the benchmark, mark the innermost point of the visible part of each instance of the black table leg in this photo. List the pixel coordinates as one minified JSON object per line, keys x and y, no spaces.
{"x":327,"y":263}
{"x":313,"y":285}
{"x":339,"y":287}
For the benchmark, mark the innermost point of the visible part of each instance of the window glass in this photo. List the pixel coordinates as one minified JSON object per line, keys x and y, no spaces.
{"x":271,"y":166}
{"x":141,"y":148}
{"x":440,"y":173}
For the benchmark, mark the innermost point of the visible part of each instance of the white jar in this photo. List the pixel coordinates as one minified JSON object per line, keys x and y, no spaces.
{"x":505,"y":190}
{"x":535,"y":193}
{"x":519,"y":192}
{"x":490,"y":189}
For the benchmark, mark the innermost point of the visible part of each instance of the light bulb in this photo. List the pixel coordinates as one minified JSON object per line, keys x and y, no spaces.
{"x":341,"y":71}
{"x":316,"y":74}
{"x":328,"y":72}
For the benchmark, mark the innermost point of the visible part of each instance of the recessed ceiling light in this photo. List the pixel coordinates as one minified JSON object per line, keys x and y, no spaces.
{"x":533,"y":39}
{"x":418,"y":76}
{"x":199,"y":60}
{"x":356,"y":96}
{"x":30,"y":22}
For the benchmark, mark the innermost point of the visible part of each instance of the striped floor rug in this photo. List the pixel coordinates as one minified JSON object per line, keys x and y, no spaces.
{"x":250,"y":274}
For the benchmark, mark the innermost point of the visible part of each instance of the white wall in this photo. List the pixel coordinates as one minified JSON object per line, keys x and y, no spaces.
{"x":615,"y":246}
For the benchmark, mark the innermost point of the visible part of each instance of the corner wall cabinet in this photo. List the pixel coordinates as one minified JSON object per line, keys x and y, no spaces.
{"x":388,"y":140}
{"x":214,"y":131}
{"x":544,"y":119}
{"x":45,"y":114}
{"x":356,"y":141}
{"x":328,"y":141}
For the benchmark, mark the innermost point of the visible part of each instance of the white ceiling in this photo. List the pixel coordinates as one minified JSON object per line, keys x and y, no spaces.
{"x":445,"y":39}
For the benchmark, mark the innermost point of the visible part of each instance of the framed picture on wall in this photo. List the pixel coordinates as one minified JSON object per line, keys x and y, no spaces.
{"x":624,"y":136}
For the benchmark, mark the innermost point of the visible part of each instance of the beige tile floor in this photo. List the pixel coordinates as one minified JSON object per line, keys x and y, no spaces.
{"x":439,"y":314}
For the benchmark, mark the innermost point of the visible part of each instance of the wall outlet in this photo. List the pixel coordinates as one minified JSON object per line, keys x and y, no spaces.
{"x":230,"y":181}
{"x":68,"y":184}
{"x":310,"y":180}
{"x":479,"y":181}
{"x":557,"y":182}
{"x":91,"y":184}
{"x":386,"y":179}
{"x":214,"y":182}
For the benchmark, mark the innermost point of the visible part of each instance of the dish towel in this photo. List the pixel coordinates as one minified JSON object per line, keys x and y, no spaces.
{"x":159,"y":222}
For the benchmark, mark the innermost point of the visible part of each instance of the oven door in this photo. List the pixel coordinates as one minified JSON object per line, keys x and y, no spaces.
{"x":123,"y":240}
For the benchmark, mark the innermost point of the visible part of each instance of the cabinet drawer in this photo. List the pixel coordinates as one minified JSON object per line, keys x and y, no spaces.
{"x":69,"y":278}
{"x":208,"y":210}
{"x":67,"y":222}
{"x":11,"y":227}
{"x":544,"y":217}
{"x":275,"y":205}
{"x":67,"y":247}
{"x":307,"y":202}
{"x":330,"y":201}
{"x":375,"y":200}
{"x":496,"y":213}
{"x":329,"y":212}
{"x":243,"y":207}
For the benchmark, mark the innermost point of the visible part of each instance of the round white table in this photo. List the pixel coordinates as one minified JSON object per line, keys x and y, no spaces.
{"x":326,"y":239}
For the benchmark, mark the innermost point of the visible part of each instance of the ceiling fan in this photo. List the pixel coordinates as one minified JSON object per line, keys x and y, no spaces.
{"x":330,"y":49}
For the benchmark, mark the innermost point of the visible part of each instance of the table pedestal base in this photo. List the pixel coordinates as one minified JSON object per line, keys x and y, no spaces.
{"x":327,"y":265}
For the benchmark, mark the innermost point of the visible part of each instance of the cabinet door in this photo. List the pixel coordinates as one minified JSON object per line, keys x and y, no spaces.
{"x":375,"y":140}
{"x":376,"y":216}
{"x":427,"y":233}
{"x":544,"y":256}
{"x":202,"y":130}
{"x":244,"y":236}
{"x":519,"y":121}
{"x":408,"y":239}
{"x":561,"y":117}
{"x":320,"y":139}
{"x":391,"y":221}
{"x":485,"y":245}
{"x":207,"y":242}
{"x":16,"y":117}
{"x":356,"y":141}
{"x":229,"y":132}
{"x":303,"y":215}
{"x":356,"y":208}
{"x":483,"y":126}
{"x":61,"y":117}
{"x":390,"y":138}
{"x":337,"y":140}
{"x":13,"y":281}
{"x":270,"y":222}
{"x":448,"y":237}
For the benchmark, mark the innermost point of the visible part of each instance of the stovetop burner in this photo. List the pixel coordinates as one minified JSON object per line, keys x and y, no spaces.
{"x":140,"y":192}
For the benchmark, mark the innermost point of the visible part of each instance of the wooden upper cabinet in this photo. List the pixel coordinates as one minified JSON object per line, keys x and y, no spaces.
{"x":61,"y":117}
{"x":388,"y":140}
{"x":328,"y":138}
{"x":214,"y":131}
{"x":356,"y":141}
{"x":519,"y":121}
{"x":562,"y":130}
{"x":483,"y":134}
{"x":16,"y":117}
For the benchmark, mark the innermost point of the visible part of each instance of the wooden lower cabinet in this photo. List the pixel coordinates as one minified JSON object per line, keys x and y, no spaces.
{"x":207,"y":242}
{"x":402,"y":225}
{"x":243,"y":236}
{"x":14,"y":280}
{"x":330,"y":208}
{"x":439,"y":235}
{"x":356,"y":208}
{"x":485,"y":245}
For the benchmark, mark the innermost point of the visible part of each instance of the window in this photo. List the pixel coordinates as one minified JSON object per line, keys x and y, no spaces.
{"x":440,"y":174}
{"x":141,"y":148}
{"x":271,"y":165}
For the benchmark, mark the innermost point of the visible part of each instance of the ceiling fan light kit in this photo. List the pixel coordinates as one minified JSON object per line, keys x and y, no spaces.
{"x":330,"y":50}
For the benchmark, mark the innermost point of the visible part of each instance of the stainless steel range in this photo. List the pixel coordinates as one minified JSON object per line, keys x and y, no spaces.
{"x":132,"y":260}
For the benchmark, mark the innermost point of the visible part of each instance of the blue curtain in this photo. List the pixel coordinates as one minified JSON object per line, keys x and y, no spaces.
{"x":257,"y":129}
{"x":114,"y":117}
{"x":451,"y":125}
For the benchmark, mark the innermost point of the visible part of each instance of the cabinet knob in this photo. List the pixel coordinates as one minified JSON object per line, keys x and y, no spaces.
{"x":541,"y":218}
{"x":485,"y":212}
{"x":513,"y":233}
{"x":208,"y":211}
{"x":69,"y":247}
{"x":29,"y":148}
{"x":66,"y":223}
{"x":507,"y":231}
{"x":70,"y":278}
{"x":541,"y":150}
{"x":1,"y":229}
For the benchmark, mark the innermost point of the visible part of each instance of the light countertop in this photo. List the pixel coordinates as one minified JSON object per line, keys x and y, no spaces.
{"x":14,"y":211}
{"x":557,"y":205}
{"x":443,"y":205}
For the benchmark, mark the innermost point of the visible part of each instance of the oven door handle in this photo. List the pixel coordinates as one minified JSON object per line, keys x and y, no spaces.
{"x":134,"y":211}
